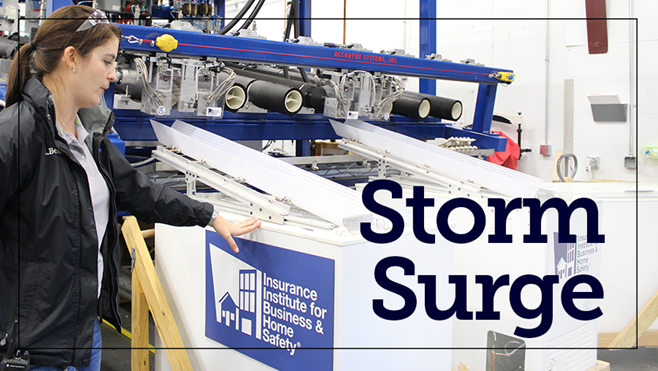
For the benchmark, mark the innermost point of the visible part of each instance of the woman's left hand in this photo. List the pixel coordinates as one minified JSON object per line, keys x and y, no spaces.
{"x":227,"y":230}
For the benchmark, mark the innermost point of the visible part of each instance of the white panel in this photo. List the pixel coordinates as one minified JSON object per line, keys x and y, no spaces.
{"x":494,"y":177}
{"x":573,"y":359}
{"x":320,"y":196}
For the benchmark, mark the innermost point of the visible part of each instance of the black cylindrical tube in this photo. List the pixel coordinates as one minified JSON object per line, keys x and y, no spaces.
{"x":411,"y":106}
{"x":313,"y":94}
{"x":443,"y":108}
{"x":275,"y":97}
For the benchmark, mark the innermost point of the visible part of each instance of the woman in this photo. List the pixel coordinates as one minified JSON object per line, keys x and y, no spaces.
{"x":60,"y":189}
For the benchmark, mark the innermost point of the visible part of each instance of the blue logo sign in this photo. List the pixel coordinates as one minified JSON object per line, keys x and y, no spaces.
{"x":574,"y":258}
{"x":271,"y":304}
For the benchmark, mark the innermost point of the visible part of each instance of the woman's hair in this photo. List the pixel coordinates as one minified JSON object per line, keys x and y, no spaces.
{"x":56,"y":33}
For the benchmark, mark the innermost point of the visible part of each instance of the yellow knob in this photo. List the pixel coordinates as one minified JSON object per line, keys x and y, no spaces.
{"x":505,"y":76}
{"x":166,"y":43}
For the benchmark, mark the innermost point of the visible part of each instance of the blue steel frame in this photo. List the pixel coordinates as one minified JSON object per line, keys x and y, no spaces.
{"x":427,"y":40}
{"x":273,"y":52}
{"x":219,"y":11}
{"x":136,"y":127}
{"x":303,"y":147}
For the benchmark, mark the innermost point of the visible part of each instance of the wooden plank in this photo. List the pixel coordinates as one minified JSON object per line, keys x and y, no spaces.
{"x":139,"y":354}
{"x":644,"y":318}
{"x":600,"y":366}
{"x":155,"y":297}
{"x":555,"y":178}
{"x":649,"y":339}
{"x":148,"y":233}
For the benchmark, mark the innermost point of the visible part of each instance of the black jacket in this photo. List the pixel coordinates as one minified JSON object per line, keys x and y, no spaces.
{"x":48,"y":243}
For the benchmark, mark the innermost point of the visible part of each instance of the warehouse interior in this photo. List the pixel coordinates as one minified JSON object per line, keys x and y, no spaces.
{"x":303,"y":109}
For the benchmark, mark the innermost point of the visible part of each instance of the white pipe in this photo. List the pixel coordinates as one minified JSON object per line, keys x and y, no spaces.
{"x":546,"y":78}
{"x":404,"y":28}
{"x":42,"y":11}
{"x":632,"y":105}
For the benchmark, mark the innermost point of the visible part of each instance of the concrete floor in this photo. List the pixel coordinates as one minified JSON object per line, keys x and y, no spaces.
{"x":116,"y":347}
{"x":116,"y":353}
{"x":641,"y":359}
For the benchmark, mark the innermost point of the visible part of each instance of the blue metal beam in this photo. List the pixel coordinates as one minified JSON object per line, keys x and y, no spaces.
{"x":133,"y":126}
{"x":133,"y":129}
{"x":220,"y":11}
{"x":484,"y":108}
{"x":53,"y":5}
{"x":427,"y":40}
{"x":305,"y":18}
{"x":274,"y":52}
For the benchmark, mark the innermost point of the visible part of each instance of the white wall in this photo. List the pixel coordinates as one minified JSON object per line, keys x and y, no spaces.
{"x":519,"y":43}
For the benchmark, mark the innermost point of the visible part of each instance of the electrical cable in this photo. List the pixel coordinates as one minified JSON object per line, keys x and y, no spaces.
{"x":222,"y":87}
{"x":399,"y":85}
{"x":143,"y":162}
{"x":339,"y":97}
{"x":253,"y":14}
{"x":267,"y":145}
{"x":302,"y":72}
{"x":237,"y":18}
{"x":286,"y":32}
{"x":152,"y":94}
{"x":295,"y":9}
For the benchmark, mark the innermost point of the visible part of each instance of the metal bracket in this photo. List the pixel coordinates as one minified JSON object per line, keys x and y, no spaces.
{"x":453,"y":185}
{"x":190,"y":181}
{"x":259,"y":205}
{"x":382,"y":164}
{"x":133,"y":257}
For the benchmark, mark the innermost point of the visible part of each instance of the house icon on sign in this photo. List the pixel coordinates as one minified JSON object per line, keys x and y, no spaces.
{"x":241,"y":316}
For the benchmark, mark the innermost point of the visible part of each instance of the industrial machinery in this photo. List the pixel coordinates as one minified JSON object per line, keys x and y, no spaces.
{"x":225,"y":84}
{"x":179,"y":61}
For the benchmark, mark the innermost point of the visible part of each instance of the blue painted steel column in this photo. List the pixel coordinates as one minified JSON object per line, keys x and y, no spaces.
{"x":302,"y":148}
{"x":427,"y":40}
{"x":109,"y":96}
{"x":305,"y":18}
{"x":220,"y":11}
{"x":53,"y":5}
{"x":484,"y":107}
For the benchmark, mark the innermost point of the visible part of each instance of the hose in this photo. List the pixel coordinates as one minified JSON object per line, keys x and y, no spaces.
{"x":253,"y":14}
{"x":152,"y":94}
{"x":237,"y":18}
{"x":566,"y":157}
{"x":222,"y":87}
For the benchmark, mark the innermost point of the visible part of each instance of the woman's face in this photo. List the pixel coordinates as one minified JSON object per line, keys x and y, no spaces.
{"x":94,"y":73}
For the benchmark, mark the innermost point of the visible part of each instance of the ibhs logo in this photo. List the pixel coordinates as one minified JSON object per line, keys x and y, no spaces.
{"x":580,"y":257}
{"x":267,"y":297}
